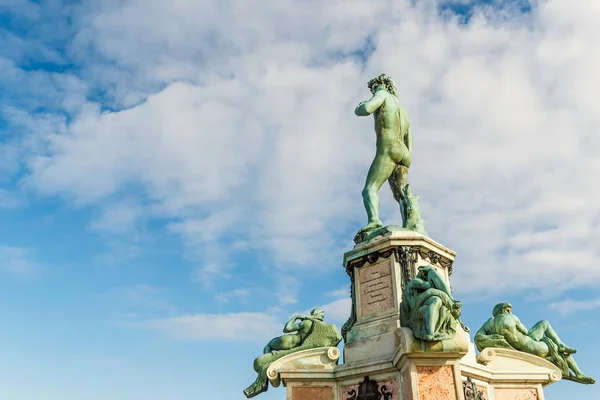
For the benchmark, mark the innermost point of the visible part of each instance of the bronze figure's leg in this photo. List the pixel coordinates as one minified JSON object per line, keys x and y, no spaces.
{"x":543,"y":328}
{"x":409,"y":206}
{"x":381,"y":169}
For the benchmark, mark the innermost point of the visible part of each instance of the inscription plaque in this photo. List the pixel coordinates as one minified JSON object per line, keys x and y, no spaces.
{"x":376,"y":292}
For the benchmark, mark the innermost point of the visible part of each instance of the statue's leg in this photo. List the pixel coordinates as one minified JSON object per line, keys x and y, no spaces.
{"x":573,"y":366}
{"x":380,"y":170}
{"x":432,"y":315}
{"x":409,"y":203}
{"x":543,"y":328}
{"x":398,"y":180}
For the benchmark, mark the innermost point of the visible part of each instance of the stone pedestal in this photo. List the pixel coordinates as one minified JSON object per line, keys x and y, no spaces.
{"x":431,"y":370}
{"x":385,"y":361}
{"x":307,"y":374}
{"x":418,"y":371}
{"x":503,"y":374}
{"x":379,"y":270}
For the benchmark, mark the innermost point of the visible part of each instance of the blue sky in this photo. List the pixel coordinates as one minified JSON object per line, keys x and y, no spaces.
{"x":178,"y":178}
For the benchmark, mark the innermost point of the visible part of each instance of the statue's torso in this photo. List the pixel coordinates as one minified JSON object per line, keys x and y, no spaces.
{"x":392,"y":128}
{"x":506,"y":325}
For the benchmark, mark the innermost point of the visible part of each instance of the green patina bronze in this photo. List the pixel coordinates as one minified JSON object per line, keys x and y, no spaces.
{"x":428,"y":307}
{"x":311,"y":333}
{"x":392,"y":159}
{"x":505,"y":330}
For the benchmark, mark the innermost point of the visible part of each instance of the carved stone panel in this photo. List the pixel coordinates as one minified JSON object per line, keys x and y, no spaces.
{"x":436,"y":382}
{"x":312,"y":393}
{"x":376,"y":287}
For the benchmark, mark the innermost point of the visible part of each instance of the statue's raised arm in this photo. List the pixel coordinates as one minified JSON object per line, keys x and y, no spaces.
{"x":368,"y":107}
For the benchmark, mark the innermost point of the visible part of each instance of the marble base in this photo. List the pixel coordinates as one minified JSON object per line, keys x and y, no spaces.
{"x":431,"y":370}
{"x":387,"y":358}
{"x":448,"y":371}
{"x":504,"y":374}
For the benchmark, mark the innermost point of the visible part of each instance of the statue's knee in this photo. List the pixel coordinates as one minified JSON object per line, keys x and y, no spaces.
{"x":368,"y":192}
{"x":434,"y":301}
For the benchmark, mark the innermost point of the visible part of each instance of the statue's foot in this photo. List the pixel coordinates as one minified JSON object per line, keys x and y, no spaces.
{"x":582,"y":378}
{"x":566,"y":350}
{"x":370,"y":226}
{"x":254,"y":390}
{"x":431,"y":338}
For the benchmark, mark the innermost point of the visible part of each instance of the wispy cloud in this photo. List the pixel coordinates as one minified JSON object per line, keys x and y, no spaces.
{"x":9,"y":199}
{"x":143,"y":297}
{"x":344,"y":291}
{"x":118,"y":218}
{"x":17,"y":261}
{"x":338,"y":311}
{"x":569,"y":306}
{"x":234,"y":327}
{"x":239,"y":295}
{"x":266,"y":149}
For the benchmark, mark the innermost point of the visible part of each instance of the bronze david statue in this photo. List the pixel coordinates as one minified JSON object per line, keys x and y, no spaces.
{"x":392,"y":157}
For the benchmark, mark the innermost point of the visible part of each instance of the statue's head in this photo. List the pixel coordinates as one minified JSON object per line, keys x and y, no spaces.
{"x":317,"y":313}
{"x":423,"y":271}
{"x":502,"y":308}
{"x":383,"y":82}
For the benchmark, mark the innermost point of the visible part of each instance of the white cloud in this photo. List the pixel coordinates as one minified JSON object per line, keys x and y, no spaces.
{"x":16,"y":261}
{"x":245,"y":130}
{"x":239,"y":295}
{"x":9,"y":199}
{"x":232,"y":327}
{"x":570,"y":306}
{"x":338,"y":311}
{"x":287,"y":289}
{"x":118,"y":218}
{"x":143,"y":297}
{"x":344,"y":291}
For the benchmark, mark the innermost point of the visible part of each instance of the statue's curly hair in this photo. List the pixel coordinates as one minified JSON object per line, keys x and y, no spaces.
{"x":499,"y":308}
{"x":317,"y":311}
{"x":388,"y":82}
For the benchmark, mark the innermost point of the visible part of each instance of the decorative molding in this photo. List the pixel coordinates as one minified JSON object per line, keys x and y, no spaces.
{"x":435,"y":258}
{"x":471,"y":390}
{"x":429,"y":255}
{"x":371,"y":258}
{"x":352,"y":319}
{"x":320,"y":359}
{"x":368,"y":389}
{"x":407,"y":257}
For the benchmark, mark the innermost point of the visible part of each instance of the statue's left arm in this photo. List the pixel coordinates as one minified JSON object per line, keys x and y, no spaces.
{"x":520,"y":327}
{"x":291,"y":326}
{"x":368,"y":107}
{"x":438,"y":281}
{"x":484,"y":338}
